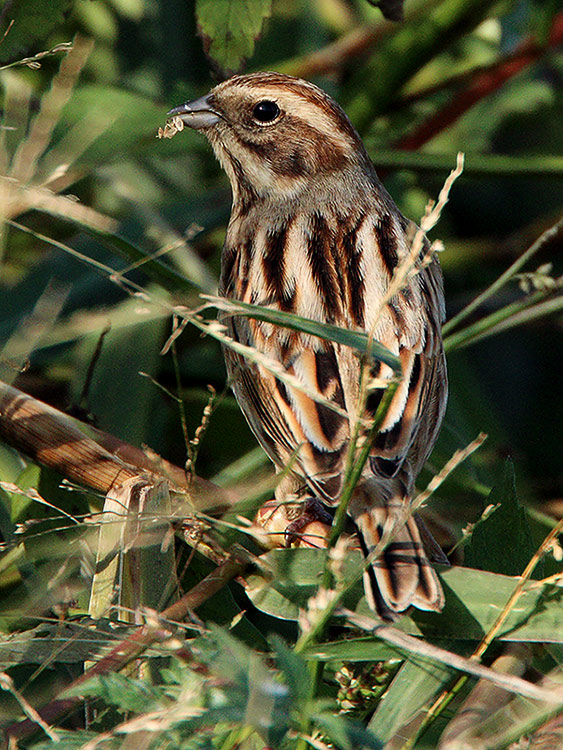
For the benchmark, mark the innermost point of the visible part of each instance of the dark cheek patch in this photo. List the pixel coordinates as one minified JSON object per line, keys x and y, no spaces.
{"x":293,"y":147}
{"x":294,"y":165}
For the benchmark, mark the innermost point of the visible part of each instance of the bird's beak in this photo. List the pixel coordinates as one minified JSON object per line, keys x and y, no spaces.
{"x":197,"y":114}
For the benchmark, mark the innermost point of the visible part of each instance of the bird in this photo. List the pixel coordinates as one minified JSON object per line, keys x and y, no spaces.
{"x":313,"y":232}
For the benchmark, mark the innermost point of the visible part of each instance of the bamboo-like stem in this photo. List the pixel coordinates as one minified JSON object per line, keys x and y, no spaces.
{"x":51,"y":438}
{"x":86,"y":455}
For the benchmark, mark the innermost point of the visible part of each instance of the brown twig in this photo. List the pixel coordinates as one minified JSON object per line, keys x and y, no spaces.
{"x":91,"y":457}
{"x":155,"y":630}
{"x":52,"y":439}
{"x":334,"y":55}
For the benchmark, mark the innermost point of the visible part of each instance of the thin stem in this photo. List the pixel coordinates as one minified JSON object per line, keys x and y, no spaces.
{"x":357,"y":467}
{"x":504,"y":278}
{"x":534,"y":306}
{"x":476,"y":165}
{"x":447,"y":696}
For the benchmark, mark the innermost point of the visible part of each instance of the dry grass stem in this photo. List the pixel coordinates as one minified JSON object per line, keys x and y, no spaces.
{"x":428,"y":222}
{"x":556,"y":695}
{"x":548,"y":236}
{"x":426,"y":650}
{"x":30,"y":149}
{"x":458,"y":457}
{"x":218,"y":331}
{"x":530,"y":567}
{"x":34,"y":62}
{"x":173,"y":125}
{"x":7,"y":684}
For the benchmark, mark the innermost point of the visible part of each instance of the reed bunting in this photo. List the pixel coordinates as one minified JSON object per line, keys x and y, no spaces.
{"x":313,"y":232}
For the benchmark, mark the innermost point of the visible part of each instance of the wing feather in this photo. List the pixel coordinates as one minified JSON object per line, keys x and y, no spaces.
{"x":287,"y":421}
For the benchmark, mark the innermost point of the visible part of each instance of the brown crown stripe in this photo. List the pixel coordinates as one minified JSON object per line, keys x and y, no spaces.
{"x":318,"y":253}
{"x":387,"y":241}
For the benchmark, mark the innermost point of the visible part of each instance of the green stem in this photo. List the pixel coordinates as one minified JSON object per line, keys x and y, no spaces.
{"x":476,"y":165}
{"x":356,"y":469}
{"x":318,"y":628}
{"x":535,"y":306}
{"x":432,"y":715}
{"x":504,"y":278}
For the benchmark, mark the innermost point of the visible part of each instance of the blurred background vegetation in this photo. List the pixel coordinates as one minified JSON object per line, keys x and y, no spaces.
{"x":89,"y":195}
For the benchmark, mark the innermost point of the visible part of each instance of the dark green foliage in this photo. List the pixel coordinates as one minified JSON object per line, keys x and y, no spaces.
{"x":507,"y":521}
{"x":24,"y":25}
{"x":103,"y":223}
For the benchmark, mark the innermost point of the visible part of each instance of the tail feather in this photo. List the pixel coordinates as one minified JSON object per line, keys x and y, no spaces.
{"x":402,"y":575}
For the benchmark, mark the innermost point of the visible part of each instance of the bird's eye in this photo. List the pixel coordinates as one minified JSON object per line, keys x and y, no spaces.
{"x":265,"y":111}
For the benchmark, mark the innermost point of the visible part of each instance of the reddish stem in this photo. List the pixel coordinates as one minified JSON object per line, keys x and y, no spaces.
{"x":483,"y":84}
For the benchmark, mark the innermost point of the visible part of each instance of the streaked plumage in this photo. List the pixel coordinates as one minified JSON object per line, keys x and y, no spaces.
{"x":313,"y":231}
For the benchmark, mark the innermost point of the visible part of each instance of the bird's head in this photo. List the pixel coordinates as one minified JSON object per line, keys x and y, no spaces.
{"x":274,"y":134}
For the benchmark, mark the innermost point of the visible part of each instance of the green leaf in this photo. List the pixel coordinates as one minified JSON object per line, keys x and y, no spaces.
{"x":474,"y":599}
{"x":294,"y":669}
{"x":118,"y":690}
{"x":33,"y":21}
{"x":355,"y":339}
{"x":71,"y":739}
{"x":502,"y":543}
{"x":345,"y":733}
{"x":416,"y":682}
{"x":229,"y":29}
{"x":482,"y":165}
{"x":353,"y":649}
{"x":122,"y":400}
{"x":69,"y":642}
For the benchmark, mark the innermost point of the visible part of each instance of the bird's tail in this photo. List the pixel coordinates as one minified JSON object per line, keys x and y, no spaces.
{"x":401,"y":576}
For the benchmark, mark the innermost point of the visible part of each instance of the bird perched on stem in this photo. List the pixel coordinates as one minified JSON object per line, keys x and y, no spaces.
{"x":313,"y":232}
